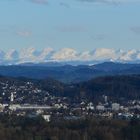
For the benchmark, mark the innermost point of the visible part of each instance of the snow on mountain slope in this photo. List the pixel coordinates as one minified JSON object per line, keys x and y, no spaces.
{"x":31,"y":55}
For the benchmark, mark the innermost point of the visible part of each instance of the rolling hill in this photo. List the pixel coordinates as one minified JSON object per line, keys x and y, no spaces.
{"x":69,"y":73}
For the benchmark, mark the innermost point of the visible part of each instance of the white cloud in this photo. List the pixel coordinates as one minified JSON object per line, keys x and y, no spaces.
{"x":71,"y":28}
{"x":135,"y":29}
{"x":66,"y":5}
{"x":110,"y":1}
{"x":39,"y":1}
{"x":24,"y":33}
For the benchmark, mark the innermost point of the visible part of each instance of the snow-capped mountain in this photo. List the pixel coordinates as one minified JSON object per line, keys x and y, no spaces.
{"x":69,"y":55}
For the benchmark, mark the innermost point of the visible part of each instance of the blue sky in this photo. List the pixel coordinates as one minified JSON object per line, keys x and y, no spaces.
{"x":79,"y":24}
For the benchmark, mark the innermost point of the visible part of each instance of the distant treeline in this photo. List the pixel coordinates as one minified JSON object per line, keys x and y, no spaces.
{"x":22,"y":128}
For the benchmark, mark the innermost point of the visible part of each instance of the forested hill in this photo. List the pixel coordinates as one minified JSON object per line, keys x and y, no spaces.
{"x":23,"y":128}
{"x":115,"y":87}
{"x":69,"y":73}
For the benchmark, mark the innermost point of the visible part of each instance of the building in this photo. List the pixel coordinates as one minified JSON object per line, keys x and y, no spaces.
{"x":46,"y":117}
{"x":100,"y":107}
{"x":115,"y":106}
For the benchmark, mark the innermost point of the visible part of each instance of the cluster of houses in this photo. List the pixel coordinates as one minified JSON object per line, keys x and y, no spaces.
{"x":14,"y":101}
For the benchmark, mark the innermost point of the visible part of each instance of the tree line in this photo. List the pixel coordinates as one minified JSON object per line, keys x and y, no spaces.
{"x":24,"y":128}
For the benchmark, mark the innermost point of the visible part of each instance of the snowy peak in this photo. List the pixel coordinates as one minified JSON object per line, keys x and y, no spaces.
{"x":31,"y":55}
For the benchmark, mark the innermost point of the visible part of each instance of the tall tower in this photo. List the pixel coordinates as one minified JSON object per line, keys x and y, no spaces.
{"x":106,"y":99}
{"x":12,"y":97}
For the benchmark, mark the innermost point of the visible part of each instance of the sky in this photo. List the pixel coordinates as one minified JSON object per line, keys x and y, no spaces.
{"x":78,"y":24}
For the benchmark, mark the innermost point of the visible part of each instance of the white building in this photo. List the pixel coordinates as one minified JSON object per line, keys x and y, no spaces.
{"x":90,"y":106}
{"x":106,"y":99}
{"x":46,"y":117}
{"x":28,"y":107}
{"x":1,"y":108}
{"x":100,"y":107}
{"x":115,"y":106}
{"x":12,"y":97}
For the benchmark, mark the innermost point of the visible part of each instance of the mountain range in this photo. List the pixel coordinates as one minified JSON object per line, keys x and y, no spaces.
{"x":68,"y":56}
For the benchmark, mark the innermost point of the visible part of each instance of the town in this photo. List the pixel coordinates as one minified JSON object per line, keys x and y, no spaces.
{"x":25,"y":98}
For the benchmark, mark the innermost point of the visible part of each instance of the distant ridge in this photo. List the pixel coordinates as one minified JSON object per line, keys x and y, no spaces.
{"x":69,"y":73}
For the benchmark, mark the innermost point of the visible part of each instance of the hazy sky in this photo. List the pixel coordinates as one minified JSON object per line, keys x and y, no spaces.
{"x":78,"y":24}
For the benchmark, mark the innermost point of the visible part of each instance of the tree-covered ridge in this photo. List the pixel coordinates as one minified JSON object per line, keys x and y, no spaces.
{"x":115,"y":87}
{"x":22,"y":128}
{"x":69,"y":73}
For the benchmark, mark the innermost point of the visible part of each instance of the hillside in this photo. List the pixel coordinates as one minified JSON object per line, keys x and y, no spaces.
{"x":117,"y":88}
{"x":69,"y":73}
